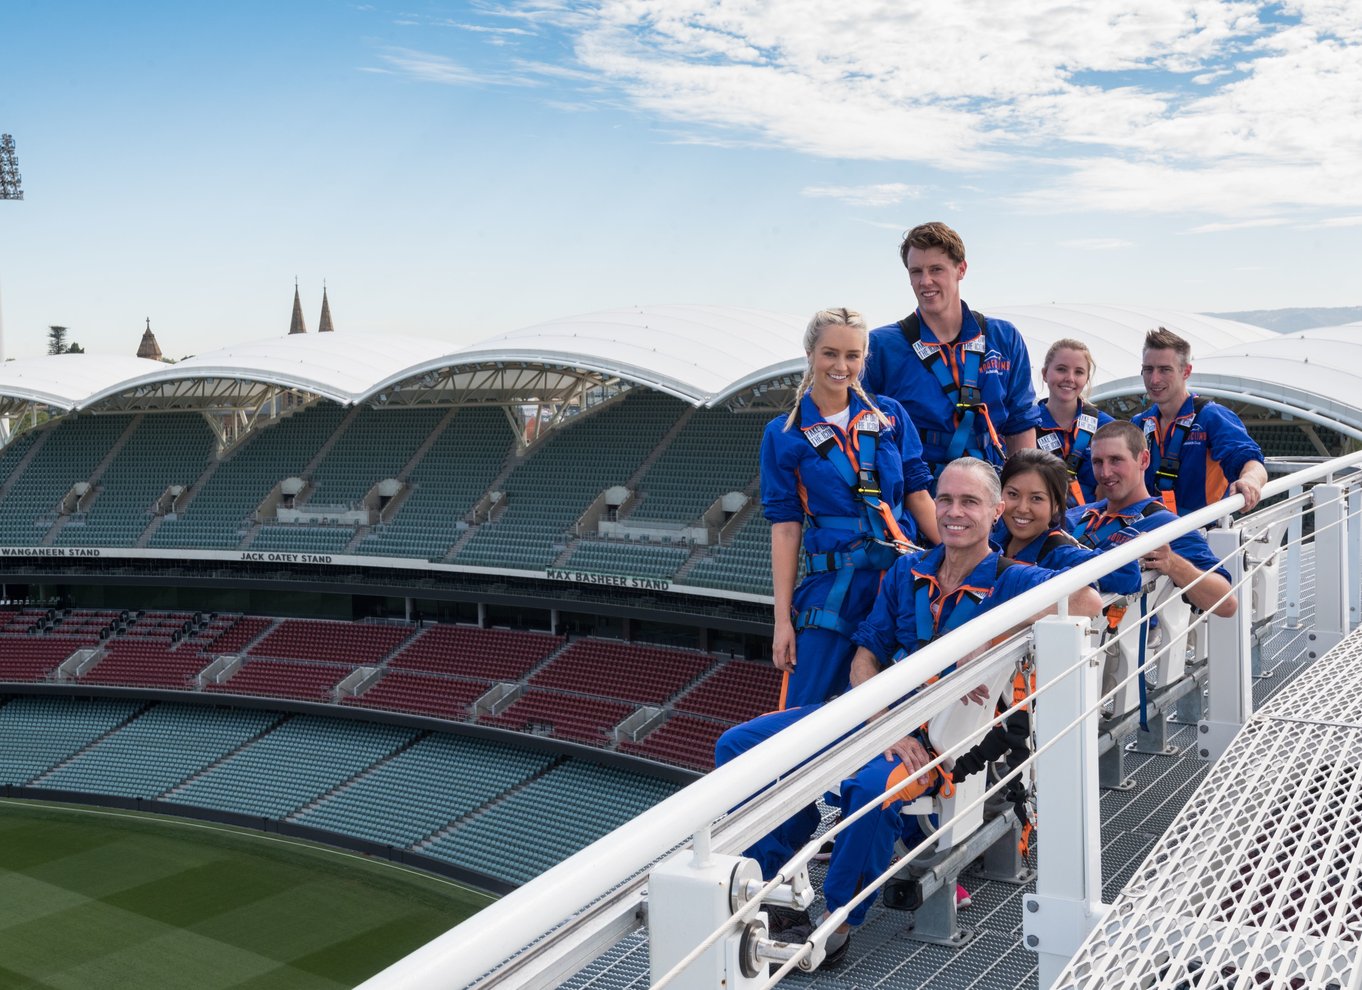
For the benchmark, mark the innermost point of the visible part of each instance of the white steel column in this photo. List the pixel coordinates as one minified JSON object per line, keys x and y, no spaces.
{"x":1230,"y":665}
{"x":1331,"y":569}
{"x":1293,"y":565}
{"x":1068,"y":898}
{"x":1354,"y":558}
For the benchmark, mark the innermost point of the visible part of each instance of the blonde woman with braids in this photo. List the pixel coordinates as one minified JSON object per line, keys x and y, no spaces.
{"x":843,"y":472}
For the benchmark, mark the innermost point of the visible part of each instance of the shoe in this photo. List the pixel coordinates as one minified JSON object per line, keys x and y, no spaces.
{"x":824,"y":852}
{"x":835,"y":957}
{"x":962,"y":897}
{"x":787,"y":924}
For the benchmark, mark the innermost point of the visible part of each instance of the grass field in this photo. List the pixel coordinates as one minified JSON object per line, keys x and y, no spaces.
{"x":98,"y":899}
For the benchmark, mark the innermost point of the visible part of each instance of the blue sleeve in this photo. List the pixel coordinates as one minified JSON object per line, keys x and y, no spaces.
{"x":917,"y":476}
{"x":1194,"y":548}
{"x":1022,"y":411}
{"x":1231,"y":446}
{"x":878,"y":631}
{"x":1013,"y":582}
{"x":779,"y":492}
{"x":1125,"y":580}
{"x":1103,"y":419}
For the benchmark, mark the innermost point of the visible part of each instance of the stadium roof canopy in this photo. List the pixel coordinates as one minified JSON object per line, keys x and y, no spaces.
{"x":704,"y":355}
{"x":1313,"y":375}
{"x":1115,"y":334}
{"x":700,"y":354}
{"x":64,"y":381}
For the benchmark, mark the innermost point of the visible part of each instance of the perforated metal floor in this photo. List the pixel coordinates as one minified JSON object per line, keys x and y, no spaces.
{"x":1133,"y":822}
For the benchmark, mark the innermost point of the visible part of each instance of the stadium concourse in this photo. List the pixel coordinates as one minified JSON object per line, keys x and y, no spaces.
{"x":446,"y":588}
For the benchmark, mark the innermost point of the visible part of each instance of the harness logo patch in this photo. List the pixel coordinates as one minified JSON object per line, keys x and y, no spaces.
{"x":922,"y":351}
{"x":819,"y":434}
{"x":1049,"y":441}
{"x":995,"y":364}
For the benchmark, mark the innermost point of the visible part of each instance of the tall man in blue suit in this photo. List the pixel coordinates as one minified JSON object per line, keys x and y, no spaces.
{"x":965,"y":378}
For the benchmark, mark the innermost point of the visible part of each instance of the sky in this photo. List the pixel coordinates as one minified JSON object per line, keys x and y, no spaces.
{"x":457,"y":170}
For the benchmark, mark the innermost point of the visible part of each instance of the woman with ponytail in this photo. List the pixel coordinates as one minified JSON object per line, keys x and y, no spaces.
{"x":843,"y":473}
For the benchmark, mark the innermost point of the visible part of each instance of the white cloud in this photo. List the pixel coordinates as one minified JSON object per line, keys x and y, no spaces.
{"x":1222,"y":107}
{"x":881,"y":194}
{"x":1216,"y":228}
{"x":1097,"y":244}
{"x":428,"y":67}
{"x":1352,"y":221}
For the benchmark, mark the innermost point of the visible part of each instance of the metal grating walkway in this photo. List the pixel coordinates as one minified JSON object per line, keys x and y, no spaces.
{"x":1133,"y":823}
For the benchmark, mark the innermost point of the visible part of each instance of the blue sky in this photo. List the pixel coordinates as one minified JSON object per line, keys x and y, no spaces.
{"x":456,"y":170}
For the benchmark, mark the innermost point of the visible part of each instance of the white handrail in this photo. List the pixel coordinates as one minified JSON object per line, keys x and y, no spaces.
{"x":484,"y":942}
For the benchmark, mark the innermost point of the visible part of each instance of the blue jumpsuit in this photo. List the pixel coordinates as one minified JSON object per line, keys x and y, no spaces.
{"x":1093,"y":525}
{"x":1060,"y":442}
{"x":798,"y":484}
{"x":863,"y":851}
{"x":1065,"y":552}
{"x":1214,"y":449}
{"x":1004,"y":381}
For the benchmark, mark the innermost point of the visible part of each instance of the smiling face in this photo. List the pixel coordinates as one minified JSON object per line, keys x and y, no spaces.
{"x":1066,"y":375}
{"x":936,"y":281}
{"x":837,"y":359}
{"x":1119,"y":472}
{"x":1165,"y":375}
{"x":966,"y":508}
{"x":1027,"y":506}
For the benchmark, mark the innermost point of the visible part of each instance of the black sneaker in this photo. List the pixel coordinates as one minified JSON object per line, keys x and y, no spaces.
{"x":789,"y":925}
{"x":824,"y":852}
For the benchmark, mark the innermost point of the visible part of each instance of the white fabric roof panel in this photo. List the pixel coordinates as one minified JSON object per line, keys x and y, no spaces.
{"x":341,"y":367}
{"x":66,"y":380}
{"x":1115,"y":334}
{"x":693,"y":352}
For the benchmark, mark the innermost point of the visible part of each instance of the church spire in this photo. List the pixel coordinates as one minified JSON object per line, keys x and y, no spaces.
{"x":297,"y":326}
{"x":325,"y":325}
{"x":149,"y":348}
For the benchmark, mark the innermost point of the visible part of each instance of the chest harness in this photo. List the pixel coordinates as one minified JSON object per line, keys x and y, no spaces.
{"x":874,"y":537}
{"x":1071,"y":446}
{"x":958,"y":377}
{"x":1170,"y":453}
{"x":927,"y":616}
{"x":929,"y":603}
{"x":1093,"y":529}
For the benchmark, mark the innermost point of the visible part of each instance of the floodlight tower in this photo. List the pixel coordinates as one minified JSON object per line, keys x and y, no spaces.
{"x":11,"y":187}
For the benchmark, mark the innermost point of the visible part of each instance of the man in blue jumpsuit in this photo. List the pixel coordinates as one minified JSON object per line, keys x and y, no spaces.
{"x":964,"y":378}
{"x":1199,"y":451}
{"x":1119,"y":461}
{"x":957,"y":580}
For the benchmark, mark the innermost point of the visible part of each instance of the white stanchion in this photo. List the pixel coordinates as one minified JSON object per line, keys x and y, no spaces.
{"x":1331,"y":568}
{"x":1230,"y":665}
{"x":1068,"y":898}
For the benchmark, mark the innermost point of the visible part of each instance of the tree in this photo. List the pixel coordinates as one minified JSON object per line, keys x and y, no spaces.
{"x":56,"y":340}
{"x":75,"y":348}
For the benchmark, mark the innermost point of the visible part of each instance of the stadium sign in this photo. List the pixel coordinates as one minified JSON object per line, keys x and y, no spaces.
{"x":615,"y":580}
{"x":368,"y":562}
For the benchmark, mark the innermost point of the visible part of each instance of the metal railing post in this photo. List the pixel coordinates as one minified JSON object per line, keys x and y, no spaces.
{"x":1068,"y":898}
{"x":1331,"y":569}
{"x":1293,"y":564}
{"x":1230,"y":665}
{"x":1354,"y":558}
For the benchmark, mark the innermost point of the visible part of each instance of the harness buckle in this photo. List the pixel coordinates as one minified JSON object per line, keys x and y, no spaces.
{"x":869,"y":484}
{"x":970,"y":396}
